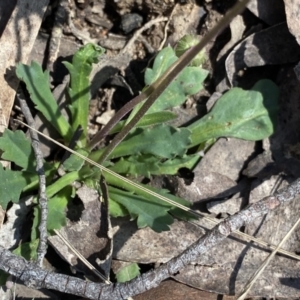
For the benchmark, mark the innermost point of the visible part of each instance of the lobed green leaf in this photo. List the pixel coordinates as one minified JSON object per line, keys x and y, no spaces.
{"x":171,"y":166}
{"x":37,"y":83}
{"x":75,"y":163}
{"x":11,"y":186}
{"x":142,"y":197}
{"x":135,"y":165}
{"x":161,"y":140}
{"x":17,"y":148}
{"x":57,"y":206}
{"x":57,"y":209}
{"x":187,"y":83}
{"x":147,"y":165}
{"x":148,"y":213}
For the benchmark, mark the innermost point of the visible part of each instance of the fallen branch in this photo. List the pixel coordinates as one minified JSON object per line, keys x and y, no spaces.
{"x":36,"y":277}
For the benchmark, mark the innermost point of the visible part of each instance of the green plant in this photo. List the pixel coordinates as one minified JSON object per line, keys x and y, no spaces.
{"x":152,"y":147}
{"x":128,"y":272}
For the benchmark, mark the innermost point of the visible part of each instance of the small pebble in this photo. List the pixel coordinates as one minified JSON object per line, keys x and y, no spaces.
{"x":105,"y":117}
{"x":9,"y":283}
{"x":130,"y":22}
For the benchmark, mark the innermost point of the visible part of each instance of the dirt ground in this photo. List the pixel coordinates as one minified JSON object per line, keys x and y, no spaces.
{"x":262,"y":42}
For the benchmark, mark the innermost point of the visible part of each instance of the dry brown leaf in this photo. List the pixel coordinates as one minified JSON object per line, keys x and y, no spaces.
{"x":206,"y":186}
{"x":90,"y":235}
{"x":274,"y":45}
{"x":230,"y":206}
{"x":227,"y":157}
{"x":11,"y":233}
{"x":292,"y":11}
{"x":287,"y":133}
{"x":225,"y":269}
{"x":261,"y":166}
{"x":228,"y":267}
{"x":185,"y":20}
{"x":172,"y":290}
{"x":237,"y":28}
{"x":270,"y":11}
{"x":17,"y":40}
{"x":147,"y":246}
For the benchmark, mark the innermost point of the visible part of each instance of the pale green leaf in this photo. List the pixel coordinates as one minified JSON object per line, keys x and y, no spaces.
{"x":117,"y":210}
{"x":249,"y":115}
{"x":128,"y":272}
{"x":165,"y":58}
{"x":185,"y":43}
{"x":175,"y":211}
{"x":171,"y":166}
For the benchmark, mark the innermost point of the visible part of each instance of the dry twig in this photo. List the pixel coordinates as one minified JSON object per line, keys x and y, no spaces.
{"x":167,"y":27}
{"x":136,"y":35}
{"x":42,"y":248}
{"x":56,"y":34}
